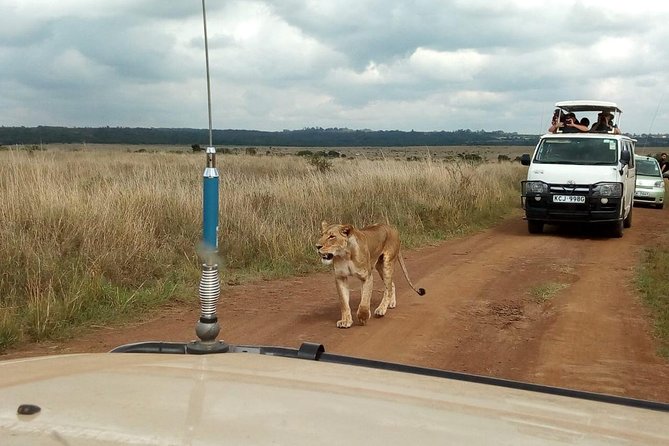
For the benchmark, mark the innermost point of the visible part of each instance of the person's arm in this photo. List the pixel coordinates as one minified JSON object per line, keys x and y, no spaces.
{"x":582,"y":128}
{"x":554,"y":126}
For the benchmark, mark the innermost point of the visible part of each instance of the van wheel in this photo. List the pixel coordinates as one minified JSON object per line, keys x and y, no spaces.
{"x":628,"y":220}
{"x":660,"y":206}
{"x":535,"y":226}
{"x":617,"y":229}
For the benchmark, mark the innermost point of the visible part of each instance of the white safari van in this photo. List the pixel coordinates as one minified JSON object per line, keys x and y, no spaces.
{"x":580,"y":173}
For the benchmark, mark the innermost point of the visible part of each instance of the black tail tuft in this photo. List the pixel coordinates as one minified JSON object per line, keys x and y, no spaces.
{"x":421,"y":291}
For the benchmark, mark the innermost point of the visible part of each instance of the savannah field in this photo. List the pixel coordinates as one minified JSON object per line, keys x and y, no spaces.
{"x":92,"y":235}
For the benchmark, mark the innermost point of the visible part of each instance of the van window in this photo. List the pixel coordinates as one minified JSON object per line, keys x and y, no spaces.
{"x":590,"y":151}
{"x":628,"y":146}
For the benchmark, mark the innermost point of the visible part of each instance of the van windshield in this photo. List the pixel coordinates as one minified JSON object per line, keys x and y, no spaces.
{"x":583,"y":151}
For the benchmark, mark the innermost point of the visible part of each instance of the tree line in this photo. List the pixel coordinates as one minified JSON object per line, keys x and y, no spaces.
{"x":307,"y":137}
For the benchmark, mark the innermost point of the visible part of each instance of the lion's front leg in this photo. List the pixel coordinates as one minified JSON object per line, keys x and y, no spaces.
{"x":342,"y":289}
{"x":367,"y":288}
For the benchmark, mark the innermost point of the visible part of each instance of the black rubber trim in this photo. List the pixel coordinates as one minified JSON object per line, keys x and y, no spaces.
{"x":152,"y":347}
{"x":479,"y":379}
{"x":310,"y":350}
{"x":316,"y":352}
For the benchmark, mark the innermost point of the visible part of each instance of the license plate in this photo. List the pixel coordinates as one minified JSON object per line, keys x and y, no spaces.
{"x":643,"y":193}
{"x":568,"y":199}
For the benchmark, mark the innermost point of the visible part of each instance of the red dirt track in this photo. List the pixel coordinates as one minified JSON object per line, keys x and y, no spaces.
{"x":478,"y":315}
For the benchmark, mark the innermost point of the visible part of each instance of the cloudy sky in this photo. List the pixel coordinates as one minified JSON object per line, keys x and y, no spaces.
{"x":362,"y":64}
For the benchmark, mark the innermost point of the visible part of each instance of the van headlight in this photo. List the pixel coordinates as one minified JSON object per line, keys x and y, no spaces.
{"x":535,"y":187}
{"x":612,"y":190}
{"x":659,"y":184}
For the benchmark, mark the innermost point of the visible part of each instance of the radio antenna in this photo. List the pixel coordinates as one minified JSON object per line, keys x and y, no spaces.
{"x":652,"y":121}
{"x":207,"y":328}
{"x":206,"y":58}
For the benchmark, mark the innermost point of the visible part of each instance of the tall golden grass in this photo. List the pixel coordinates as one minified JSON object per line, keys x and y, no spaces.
{"x":92,"y":236}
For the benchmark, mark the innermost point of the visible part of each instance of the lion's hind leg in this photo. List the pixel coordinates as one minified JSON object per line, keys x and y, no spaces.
{"x":385,"y":269}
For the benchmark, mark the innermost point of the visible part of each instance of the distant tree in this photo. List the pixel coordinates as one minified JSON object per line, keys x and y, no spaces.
{"x":196,"y":148}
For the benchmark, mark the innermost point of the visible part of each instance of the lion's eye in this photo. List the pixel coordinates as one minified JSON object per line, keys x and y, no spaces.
{"x":331,"y":237}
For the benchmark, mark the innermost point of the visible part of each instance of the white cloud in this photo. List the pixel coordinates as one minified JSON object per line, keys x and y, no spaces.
{"x":426,"y":65}
{"x":458,"y":66}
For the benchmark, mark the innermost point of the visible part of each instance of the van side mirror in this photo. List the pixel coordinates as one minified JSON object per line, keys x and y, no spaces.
{"x":525,"y":159}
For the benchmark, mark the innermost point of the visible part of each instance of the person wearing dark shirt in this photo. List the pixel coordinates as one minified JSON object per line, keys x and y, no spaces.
{"x":604,"y":124}
{"x":568,"y":125}
{"x":664,"y":165}
{"x":572,"y":125}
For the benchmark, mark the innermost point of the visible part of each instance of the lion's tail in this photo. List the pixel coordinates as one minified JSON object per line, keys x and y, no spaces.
{"x":419,"y":291}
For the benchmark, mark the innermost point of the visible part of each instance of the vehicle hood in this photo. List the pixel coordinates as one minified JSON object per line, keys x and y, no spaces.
{"x":647,"y":180}
{"x":579,"y":174}
{"x":242,"y":398}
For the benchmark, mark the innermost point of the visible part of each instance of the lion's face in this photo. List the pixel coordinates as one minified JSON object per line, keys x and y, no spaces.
{"x":333,"y":241}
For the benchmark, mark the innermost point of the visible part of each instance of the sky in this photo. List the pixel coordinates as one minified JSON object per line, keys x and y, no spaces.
{"x":423,"y":65}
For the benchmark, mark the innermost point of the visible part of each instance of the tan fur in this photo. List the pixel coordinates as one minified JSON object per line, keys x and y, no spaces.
{"x":356,"y":252}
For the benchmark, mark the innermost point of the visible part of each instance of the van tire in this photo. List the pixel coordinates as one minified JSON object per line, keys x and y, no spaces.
{"x":660,"y":206}
{"x":617,"y":229}
{"x":535,"y":226}
{"x":628,"y":220}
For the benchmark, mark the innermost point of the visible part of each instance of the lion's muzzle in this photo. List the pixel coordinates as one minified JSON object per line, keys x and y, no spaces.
{"x":326,"y":258}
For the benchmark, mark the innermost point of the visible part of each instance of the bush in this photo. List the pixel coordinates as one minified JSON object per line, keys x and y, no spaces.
{"x":321,"y":163}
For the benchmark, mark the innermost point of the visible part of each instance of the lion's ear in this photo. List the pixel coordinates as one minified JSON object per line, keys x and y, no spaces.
{"x":324,"y":225}
{"x":346,"y":230}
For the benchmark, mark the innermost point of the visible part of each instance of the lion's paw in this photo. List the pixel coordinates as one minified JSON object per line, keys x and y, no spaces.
{"x":363,"y":315}
{"x":380,"y":311}
{"x":344,"y":323}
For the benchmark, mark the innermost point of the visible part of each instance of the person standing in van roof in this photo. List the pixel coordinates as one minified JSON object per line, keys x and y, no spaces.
{"x":569,"y":124}
{"x":604,"y":124}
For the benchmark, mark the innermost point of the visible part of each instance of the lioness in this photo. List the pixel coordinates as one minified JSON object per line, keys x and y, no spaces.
{"x":356,"y":252}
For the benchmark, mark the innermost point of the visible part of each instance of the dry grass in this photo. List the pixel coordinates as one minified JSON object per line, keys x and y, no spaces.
{"x":93,"y":235}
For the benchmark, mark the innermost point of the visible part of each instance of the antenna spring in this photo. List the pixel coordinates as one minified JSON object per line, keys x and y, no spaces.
{"x":209,"y":290}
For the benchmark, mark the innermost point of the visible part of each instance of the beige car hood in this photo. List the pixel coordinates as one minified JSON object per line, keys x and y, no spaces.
{"x":251,"y":399}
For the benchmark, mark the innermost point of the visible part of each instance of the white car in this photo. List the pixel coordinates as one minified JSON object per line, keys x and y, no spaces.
{"x":649,"y":182}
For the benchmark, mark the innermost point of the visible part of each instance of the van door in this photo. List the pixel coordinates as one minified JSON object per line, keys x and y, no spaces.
{"x":629,"y":176}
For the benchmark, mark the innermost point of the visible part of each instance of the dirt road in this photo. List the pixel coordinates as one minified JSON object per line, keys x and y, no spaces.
{"x":481,"y":313}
